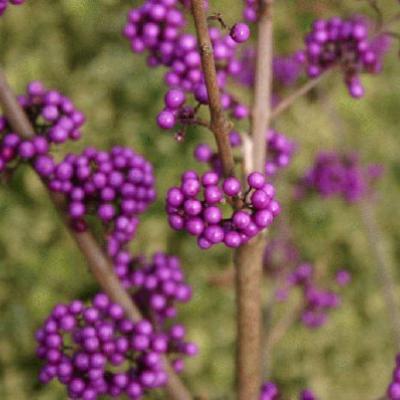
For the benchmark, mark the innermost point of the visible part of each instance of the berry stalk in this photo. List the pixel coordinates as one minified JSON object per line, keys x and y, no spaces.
{"x":97,"y":261}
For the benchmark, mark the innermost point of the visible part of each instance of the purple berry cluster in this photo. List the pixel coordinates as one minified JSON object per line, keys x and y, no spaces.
{"x":157,"y":27}
{"x":55,"y":120}
{"x":4,"y":4}
{"x":115,"y":186}
{"x":157,"y":286}
{"x":393,"y":390}
{"x":185,"y":78}
{"x":196,"y":206}
{"x":336,"y":174}
{"x":270,"y":391}
{"x":317,"y":302}
{"x":343,"y":42}
{"x":280,"y":151}
{"x":288,"y":69}
{"x":154,"y":27}
{"x":95,"y":350}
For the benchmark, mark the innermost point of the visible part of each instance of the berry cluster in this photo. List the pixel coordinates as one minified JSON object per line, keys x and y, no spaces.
{"x":196,"y":206}
{"x":115,"y":186}
{"x":393,"y":390}
{"x":339,"y":174}
{"x":157,"y":27}
{"x":344,"y":42}
{"x":154,"y":27}
{"x":4,"y":4}
{"x":317,"y":302}
{"x":156,"y":285}
{"x":95,"y":350}
{"x":185,"y":78}
{"x":280,"y":151}
{"x":288,"y":69}
{"x":270,"y":391}
{"x":55,"y":120}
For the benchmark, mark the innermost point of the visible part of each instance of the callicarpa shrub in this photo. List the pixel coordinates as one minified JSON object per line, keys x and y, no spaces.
{"x":128,"y":340}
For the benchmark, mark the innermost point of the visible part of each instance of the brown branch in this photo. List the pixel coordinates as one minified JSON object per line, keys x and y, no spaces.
{"x":248,"y":258}
{"x":219,"y":124}
{"x":97,"y":261}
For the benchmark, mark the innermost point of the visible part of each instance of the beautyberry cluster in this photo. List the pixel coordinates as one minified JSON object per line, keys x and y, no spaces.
{"x":347,"y":43}
{"x":196,"y":207}
{"x":340,"y":174}
{"x":156,"y":285}
{"x":393,"y":390}
{"x":154,"y":27}
{"x":270,"y":391}
{"x":317,"y":302}
{"x":95,"y":350}
{"x":186,"y":80}
{"x":4,"y":4}
{"x":280,"y":151}
{"x":116,"y":186}
{"x":157,"y":27}
{"x":55,"y":120}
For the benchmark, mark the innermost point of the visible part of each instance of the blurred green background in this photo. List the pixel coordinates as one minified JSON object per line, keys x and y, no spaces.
{"x":76,"y":46}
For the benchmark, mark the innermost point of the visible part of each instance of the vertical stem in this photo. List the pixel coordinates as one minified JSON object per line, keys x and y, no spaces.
{"x":261,"y":109}
{"x":383,"y":267}
{"x":249,"y":318}
{"x":219,"y":125}
{"x":97,"y":260}
{"x":248,"y":258}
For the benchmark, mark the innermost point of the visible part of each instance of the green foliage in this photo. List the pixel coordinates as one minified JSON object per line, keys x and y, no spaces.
{"x":76,"y":46}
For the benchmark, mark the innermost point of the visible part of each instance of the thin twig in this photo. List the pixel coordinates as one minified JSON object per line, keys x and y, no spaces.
{"x":219,"y":124}
{"x":97,"y":261}
{"x":383,"y":267}
{"x":288,"y":101}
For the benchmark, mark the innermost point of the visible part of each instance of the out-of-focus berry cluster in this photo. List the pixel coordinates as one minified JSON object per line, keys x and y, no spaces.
{"x":282,"y":263}
{"x":196,"y":206}
{"x":336,"y":174}
{"x":95,"y":350}
{"x":4,"y":4}
{"x":393,"y":390}
{"x":270,"y":391}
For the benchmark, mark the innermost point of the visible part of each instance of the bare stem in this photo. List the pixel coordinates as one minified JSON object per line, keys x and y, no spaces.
{"x":219,"y":124}
{"x":261,"y":109}
{"x":383,"y":267}
{"x":249,"y":318}
{"x":248,"y":258}
{"x":97,"y":261}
